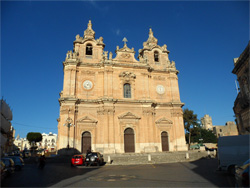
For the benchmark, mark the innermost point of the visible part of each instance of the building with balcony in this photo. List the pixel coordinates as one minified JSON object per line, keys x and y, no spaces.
{"x":241,"y":103}
{"x":48,"y":142}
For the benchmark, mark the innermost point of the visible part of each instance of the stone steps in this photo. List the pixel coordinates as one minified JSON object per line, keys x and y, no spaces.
{"x":154,"y":158}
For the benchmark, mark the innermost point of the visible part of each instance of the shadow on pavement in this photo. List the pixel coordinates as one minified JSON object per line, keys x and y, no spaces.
{"x":207,"y":168}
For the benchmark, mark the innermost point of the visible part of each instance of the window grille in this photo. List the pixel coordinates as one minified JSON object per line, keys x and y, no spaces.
{"x":127,"y":91}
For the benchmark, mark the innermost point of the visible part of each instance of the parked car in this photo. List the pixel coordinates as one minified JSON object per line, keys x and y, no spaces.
{"x":94,"y":158}
{"x":242,"y":174}
{"x":3,"y":170}
{"x":19,"y":163}
{"x":77,"y":160}
{"x":209,"y":149}
{"x":196,"y":146}
{"x":9,"y":165}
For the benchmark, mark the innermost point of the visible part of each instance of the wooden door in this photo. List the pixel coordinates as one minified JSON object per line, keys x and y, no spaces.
{"x":164,"y":141}
{"x":129,"y":141}
{"x":86,"y":142}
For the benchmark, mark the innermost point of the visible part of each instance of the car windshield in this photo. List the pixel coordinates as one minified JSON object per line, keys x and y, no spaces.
{"x":92,"y":154}
{"x":77,"y":157}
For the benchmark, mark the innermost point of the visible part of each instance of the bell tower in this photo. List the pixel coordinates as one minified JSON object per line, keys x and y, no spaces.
{"x":153,"y":54}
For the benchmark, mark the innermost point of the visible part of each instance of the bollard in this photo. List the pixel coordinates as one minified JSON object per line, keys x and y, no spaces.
{"x":187,"y":155}
{"x":109,"y":159}
{"x":149,"y":157}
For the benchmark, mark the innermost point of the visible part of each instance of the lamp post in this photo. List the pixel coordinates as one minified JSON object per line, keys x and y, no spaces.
{"x":68,"y":124}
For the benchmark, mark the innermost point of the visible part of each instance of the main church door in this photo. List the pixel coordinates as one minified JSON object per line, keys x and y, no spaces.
{"x":164,"y":141}
{"x":86,"y":142}
{"x":129,"y":141}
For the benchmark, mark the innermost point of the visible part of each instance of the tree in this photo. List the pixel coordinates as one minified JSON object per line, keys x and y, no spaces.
{"x":198,"y":133}
{"x":208,"y":136}
{"x":34,"y":137}
{"x":190,"y":121}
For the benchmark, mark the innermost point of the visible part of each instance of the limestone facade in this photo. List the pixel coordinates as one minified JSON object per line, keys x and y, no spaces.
{"x":120,"y":104}
{"x":230,"y":129}
{"x":241,"y":103}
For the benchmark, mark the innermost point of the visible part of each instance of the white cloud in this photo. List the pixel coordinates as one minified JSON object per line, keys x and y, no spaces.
{"x":117,"y":32}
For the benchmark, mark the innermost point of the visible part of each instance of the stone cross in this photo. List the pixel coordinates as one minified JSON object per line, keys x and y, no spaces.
{"x":125,"y":40}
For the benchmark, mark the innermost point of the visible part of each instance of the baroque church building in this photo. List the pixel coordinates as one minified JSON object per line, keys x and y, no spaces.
{"x":120,"y":104}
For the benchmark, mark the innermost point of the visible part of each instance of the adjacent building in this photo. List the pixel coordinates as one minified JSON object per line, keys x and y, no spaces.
{"x":48,"y":142}
{"x":120,"y":104}
{"x":7,"y":131}
{"x":22,"y":143}
{"x":241,"y":103}
{"x":229,"y":129}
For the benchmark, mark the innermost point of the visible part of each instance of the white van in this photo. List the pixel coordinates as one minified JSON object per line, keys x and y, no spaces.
{"x":232,"y":151}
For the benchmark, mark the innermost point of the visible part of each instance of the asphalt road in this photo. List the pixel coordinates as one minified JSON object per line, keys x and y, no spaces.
{"x":201,"y":173}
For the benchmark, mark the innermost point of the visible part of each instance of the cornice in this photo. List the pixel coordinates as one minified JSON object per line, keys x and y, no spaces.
{"x":120,"y":101}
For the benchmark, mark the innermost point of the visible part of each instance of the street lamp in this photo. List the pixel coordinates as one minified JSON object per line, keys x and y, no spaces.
{"x":68,"y":124}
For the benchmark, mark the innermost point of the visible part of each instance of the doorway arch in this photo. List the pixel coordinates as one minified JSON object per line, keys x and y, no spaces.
{"x":164,"y":141}
{"x":86,"y":141}
{"x":129,"y":140}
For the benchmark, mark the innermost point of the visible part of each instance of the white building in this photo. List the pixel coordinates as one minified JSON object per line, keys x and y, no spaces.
{"x":48,"y":142}
{"x":21,"y":143}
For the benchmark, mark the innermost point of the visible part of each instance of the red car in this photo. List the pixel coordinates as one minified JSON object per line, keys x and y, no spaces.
{"x":77,"y":160}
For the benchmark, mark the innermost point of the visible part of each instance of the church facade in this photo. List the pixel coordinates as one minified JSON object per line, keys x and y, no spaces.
{"x":120,"y":104}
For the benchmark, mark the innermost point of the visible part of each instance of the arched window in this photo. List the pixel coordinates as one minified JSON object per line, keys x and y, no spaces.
{"x":89,"y":49}
{"x":127,"y":91}
{"x":53,"y":140}
{"x":156,"y":56}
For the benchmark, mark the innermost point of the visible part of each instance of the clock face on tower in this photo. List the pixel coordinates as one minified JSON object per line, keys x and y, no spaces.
{"x":160,"y":89}
{"x":87,"y":84}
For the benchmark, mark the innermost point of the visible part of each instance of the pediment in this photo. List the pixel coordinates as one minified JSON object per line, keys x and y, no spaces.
{"x":125,"y":54}
{"x":164,"y":121}
{"x":87,"y":119}
{"x":129,"y":115}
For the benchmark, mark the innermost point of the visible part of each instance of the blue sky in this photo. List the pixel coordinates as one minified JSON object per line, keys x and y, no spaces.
{"x":203,"y":37}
